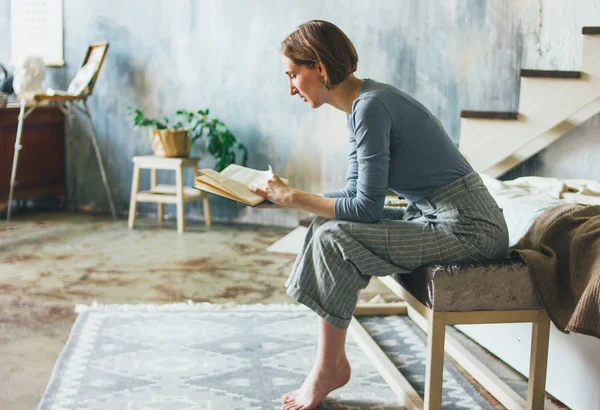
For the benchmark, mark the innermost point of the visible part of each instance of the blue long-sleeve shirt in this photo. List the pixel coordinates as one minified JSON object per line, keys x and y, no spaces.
{"x":397,"y":144}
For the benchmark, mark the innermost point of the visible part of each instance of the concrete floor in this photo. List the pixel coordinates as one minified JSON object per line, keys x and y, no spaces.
{"x":49,"y":262}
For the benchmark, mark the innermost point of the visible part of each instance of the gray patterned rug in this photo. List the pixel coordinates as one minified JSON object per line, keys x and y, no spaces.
{"x":210,"y":357}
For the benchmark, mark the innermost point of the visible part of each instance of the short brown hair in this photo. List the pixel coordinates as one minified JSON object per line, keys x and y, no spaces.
{"x":319,"y":41}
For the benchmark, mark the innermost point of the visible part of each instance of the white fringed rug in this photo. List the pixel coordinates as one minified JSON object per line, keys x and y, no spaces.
{"x":225,"y":357}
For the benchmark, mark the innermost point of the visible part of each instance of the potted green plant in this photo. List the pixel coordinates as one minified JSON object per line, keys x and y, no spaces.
{"x":174,"y":138}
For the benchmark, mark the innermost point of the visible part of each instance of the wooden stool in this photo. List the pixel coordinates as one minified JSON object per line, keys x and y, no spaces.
{"x":165,"y":194}
{"x":462,"y":293}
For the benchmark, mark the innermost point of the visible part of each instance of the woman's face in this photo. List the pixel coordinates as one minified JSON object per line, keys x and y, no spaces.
{"x":305,"y":82}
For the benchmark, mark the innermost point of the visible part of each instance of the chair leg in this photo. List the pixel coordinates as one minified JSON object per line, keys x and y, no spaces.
{"x":435,"y":361}
{"x":180,"y":208}
{"x":135,"y":184}
{"x":538,"y":363}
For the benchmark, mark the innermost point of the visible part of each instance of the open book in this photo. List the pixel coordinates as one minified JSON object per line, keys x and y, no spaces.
{"x":232,"y":183}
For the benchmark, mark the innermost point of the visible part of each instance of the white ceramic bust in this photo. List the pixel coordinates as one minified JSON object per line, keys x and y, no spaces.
{"x":29,"y":75}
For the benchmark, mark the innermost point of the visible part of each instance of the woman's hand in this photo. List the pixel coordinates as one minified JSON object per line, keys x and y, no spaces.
{"x":275,"y":190}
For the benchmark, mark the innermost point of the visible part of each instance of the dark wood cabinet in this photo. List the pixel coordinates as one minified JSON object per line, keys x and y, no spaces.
{"x":41,"y":166}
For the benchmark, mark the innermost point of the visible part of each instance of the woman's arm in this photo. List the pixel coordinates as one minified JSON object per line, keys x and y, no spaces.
{"x":372,"y":127}
{"x":351,"y":175}
{"x":372,"y":130}
{"x":315,"y":204}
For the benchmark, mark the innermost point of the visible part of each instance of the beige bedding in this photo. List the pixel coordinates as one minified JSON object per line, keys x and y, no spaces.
{"x":562,"y":254}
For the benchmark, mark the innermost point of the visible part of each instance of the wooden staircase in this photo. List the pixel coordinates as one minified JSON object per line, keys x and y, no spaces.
{"x":551,"y":104}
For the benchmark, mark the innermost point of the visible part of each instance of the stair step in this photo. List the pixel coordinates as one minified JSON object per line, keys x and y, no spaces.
{"x":550,"y":73}
{"x":546,"y":111}
{"x":490,"y":115}
{"x":591,"y":31}
{"x":543,"y":140}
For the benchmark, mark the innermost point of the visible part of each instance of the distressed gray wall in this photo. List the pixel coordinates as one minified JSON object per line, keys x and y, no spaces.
{"x":165,"y":55}
{"x":552,"y":40}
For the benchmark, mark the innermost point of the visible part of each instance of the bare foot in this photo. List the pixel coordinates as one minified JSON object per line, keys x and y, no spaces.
{"x":319,"y":383}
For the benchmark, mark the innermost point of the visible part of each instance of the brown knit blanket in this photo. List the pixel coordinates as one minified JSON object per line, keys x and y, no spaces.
{"x":562,"y":254}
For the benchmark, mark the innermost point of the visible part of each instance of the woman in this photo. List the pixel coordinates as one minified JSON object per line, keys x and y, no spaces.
{"x":397,"y":144}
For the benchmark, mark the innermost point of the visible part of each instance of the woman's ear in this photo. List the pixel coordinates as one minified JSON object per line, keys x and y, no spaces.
{"x":323,"y":77}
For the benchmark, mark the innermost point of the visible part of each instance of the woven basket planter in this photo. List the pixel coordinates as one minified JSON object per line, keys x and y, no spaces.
{"x":170,"y":142}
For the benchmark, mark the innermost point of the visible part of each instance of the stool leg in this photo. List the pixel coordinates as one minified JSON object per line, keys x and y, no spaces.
{"x":153,"y":183}
{"x":180,"y":209}
{"x":135,"y":184}
{"x":205,"y":203}
{"x":435,"y":361}
{"x":537,"y":366}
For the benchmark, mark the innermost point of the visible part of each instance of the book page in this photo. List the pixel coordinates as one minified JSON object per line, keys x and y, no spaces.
{"x":210,"y":188}
{"x":206,"y":184}
{"x":247,"y":176}
{"x":209,"y":181}
{"x":235,"y":187}
{"x":200,"y":185}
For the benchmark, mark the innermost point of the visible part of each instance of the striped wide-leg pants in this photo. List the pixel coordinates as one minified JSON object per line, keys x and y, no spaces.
{"x":459,"y":222}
